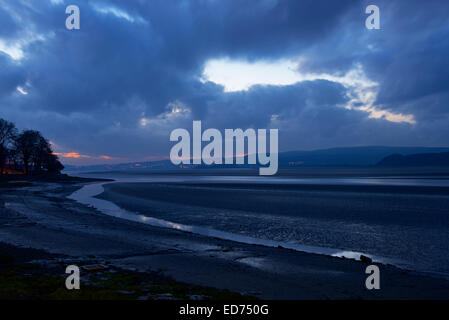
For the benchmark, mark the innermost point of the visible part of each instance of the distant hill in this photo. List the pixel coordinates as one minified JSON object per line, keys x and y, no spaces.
{"x":351,"y":156}
{"x":335,"y":157}
{"x":416,"y":160}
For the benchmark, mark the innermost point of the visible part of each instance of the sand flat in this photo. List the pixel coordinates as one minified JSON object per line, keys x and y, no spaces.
{"x":41,"y":217}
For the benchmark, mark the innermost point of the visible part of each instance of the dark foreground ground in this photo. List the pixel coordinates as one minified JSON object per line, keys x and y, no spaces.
{"x":30,"y":274}
{"x":155,"y":263}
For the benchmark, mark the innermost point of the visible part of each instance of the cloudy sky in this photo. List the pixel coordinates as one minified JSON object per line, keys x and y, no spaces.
{"x":137,"y":69}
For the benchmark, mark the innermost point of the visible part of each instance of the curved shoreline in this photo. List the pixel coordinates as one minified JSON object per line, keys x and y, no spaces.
{"x":43,"y":218}
{"x":87,"y":195}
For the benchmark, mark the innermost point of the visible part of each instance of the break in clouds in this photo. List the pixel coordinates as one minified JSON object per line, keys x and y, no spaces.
{"x":136,"y":70}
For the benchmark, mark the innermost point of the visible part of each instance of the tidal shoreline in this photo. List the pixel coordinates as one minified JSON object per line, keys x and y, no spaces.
{"x":41,"y":217}
{"x":403,"y":226}
{"x":111,"y":203}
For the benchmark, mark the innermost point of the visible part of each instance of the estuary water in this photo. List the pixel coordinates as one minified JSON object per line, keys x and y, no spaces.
{"x":402,"y":220}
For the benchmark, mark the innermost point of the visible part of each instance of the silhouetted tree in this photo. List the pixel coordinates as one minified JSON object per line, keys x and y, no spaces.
{"x":33,"y":150}
{"x":40,"y":153}
{"x":52,"y":164}
{"x":3,"y":156}
{"x":26,"y":145}
{"x":29,"y":149}
{"x":44,"y":158}
{"x":8,"y":133}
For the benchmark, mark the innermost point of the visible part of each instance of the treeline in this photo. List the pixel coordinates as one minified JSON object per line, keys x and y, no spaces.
{"x":25,"y":152}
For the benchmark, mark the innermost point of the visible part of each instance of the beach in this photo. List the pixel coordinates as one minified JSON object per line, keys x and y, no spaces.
{"x":41,"y":217}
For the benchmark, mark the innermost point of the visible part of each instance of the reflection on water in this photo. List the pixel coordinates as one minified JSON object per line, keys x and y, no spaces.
{"x":86,"y":195}
{"x":425,"y":181}
{"x":405,"y":229}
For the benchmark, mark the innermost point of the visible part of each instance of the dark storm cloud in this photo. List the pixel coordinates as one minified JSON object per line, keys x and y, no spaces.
{"x":159,"y":58}
{"x":110,"y":87}
{"x":413,"y":69}
{"x":256,"y":107}
{"x":408,"y":57}
{"x":11,"y":75}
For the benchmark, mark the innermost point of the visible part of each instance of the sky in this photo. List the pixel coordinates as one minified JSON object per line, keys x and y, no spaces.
{"x":113,"y":90}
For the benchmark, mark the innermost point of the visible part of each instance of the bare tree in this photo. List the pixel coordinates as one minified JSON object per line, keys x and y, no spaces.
{"x":28,"y":148}
{"x":35,"y":151}
{"x":52,"y":164}
{"x":44,"y":158}
{"x":8,"y":133}
{"x":26,"y":145}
